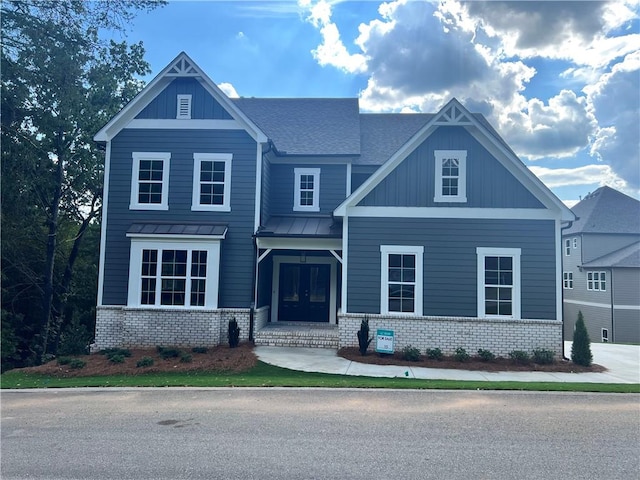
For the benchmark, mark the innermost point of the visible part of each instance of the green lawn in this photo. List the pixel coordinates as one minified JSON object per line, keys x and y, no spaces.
{"x":264,"y":375}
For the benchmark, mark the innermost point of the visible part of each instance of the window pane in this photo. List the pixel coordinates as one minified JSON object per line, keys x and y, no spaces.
{"x":395,"y":260}
{"x":395,"y":305}
{"x":395,"y":274}
{"x":491,"y":307}
{"x":491,"y":263}
{"x":409,"y":275}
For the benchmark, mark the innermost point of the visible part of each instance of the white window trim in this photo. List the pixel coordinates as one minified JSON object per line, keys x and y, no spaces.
{"x":575,"y":242}
{"x":597,"y":284}
{"x":198,"y":158}
{"x":179,"y":113}
{"x":461,"y":156}
{"x":567,"y":247}
{"x":298,"y":172}
{"x":567,"y":280}
{"x":134,"y":204}
{"x":483,"y":252}
{"x":212,"y":247}
{"x":416,"y":250}
{"x":604,"y":335}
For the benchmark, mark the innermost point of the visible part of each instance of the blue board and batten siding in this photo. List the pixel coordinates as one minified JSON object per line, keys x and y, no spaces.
{"x":333,"y":187}
{"x":236,"y":260}
{"x":450,"y":261}
{"x":489,"y":184}
{"x":203,"y":105}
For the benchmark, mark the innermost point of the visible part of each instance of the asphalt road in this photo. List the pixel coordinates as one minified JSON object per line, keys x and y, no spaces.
{"x":314,"y":433}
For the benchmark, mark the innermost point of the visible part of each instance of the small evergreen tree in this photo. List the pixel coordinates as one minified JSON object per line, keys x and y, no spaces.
{"x":234,"y":333}
{"x":581,"y":348}
{"x":363,"y":337}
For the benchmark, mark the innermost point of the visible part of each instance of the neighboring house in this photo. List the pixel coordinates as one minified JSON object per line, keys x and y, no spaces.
{"x":278,"y":210}
{"x":601,"y":267}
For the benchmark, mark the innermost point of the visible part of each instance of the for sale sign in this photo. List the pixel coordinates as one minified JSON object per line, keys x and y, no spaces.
{"x":384,"y":341}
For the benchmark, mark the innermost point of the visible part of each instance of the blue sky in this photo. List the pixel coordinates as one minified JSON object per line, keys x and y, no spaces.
{"x":558,"y":80}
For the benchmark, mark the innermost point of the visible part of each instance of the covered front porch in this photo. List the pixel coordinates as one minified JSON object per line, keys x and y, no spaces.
{"x":299,"y":269}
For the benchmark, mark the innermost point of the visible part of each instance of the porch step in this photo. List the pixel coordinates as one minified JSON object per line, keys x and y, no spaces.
{"x":297,"y":334}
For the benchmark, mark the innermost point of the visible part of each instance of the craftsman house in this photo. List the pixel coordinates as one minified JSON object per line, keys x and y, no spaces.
{"x":601,"y":267}
{"x":281,"y":211}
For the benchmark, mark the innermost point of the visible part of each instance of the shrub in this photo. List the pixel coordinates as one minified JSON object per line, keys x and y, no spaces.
{"x":64,"y":360}
{"x":234,"y":333}
{"x":199,"y":349}
{"x":434,"y":353}
{"x":109,"y":352}
{"x":461,"y":355}
{"x":520,"y":357}
{"x":48,"y":357}
{"x":169,"y":352}
{"x":77,"y":363}
{"x":75,"y":339}
{"x":363,"y":337}
{"x":542,"y":356}
{"x":411,"y":353}
{"x":144,"y":362}
{"x":116,"y":358}
{"x":581,"y":347}
{"x":186,"y":358}
{"x":486,"y":355}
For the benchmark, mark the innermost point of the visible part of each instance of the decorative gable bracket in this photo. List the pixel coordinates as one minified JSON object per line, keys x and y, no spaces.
{"x":452,"y":115}
{"x":182,"y":68}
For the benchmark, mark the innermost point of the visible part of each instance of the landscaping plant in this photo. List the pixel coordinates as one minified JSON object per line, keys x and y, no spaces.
{"x":486,"y":355}
{"x":520,"y":357}
{"x":434,"y":353}
{"x":363,"y":337}
{"x":581,"y":348}
{"x":542,"y":356}
{"x":411,"y":353}
{"x":461,"y":355}
{"x":234,"y":333}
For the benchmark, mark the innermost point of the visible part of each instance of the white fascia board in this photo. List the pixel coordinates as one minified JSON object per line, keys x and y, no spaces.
{"x":452,"y":212}
{"x":278,"y":243}
{"x":129,"y":112}
{"x":178,"y":237}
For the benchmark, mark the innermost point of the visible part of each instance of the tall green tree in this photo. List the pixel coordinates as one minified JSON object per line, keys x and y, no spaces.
{"x":60,"y":83}
{"x":581,"y":346}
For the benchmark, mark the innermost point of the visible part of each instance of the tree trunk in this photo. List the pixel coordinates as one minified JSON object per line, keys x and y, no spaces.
{"x":52,"y":221}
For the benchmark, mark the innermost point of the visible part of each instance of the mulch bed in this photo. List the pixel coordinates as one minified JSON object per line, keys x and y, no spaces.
{"x":497,"y":365}
{"x":220,"y":359}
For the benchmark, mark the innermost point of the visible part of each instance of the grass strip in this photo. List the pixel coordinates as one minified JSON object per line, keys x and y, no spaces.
{"x":264,"y":375}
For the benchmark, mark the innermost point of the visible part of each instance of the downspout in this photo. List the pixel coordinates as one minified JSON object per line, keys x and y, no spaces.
{"x":569,"y":225}
{"x":613,"y":312}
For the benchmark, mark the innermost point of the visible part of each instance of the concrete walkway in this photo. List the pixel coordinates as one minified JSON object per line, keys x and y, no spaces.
{"x":622,"y":363}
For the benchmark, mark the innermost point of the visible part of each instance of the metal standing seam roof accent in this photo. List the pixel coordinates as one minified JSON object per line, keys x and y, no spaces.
{"x":307,"y":126}
{"x":177,"y":229}
{"x":627,"y":257}
{"x":606,"y":211}
{"x":294,"y":226}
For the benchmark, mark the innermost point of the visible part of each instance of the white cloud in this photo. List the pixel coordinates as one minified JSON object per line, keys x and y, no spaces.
{"x":331,"y":51}
{"x":615,"y":102}
{"x":586,"y":175}
{"x":229,"y":90}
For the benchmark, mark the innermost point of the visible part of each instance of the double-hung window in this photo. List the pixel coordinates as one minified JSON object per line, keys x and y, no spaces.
{"x":174,"y":273}
{"x":567,"y":280}
{"x":211,"y":181}
{"x":401,"y":279}
{"x":597,"y":281}
{"x":567,"y":247}
{"x":451,"y":176}
{"x":306,"y":190}
{"x":150,"y":181}
{"x":498,"y":282}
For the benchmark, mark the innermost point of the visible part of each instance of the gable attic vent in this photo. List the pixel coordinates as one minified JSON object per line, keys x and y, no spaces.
{"x":184,"y":107}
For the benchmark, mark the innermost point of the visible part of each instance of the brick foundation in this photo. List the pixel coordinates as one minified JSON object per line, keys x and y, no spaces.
{"x":143,"y":327}
{"x":500,"y":336}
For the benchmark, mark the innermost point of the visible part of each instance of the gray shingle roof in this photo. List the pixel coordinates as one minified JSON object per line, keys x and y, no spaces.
{"x":382,"y":134}
{"x":177,"y":229}
{"x":627,"y":257}
{"x":606,"y":211}
{"x":307,"y":126}
{"x":290,"y":226}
